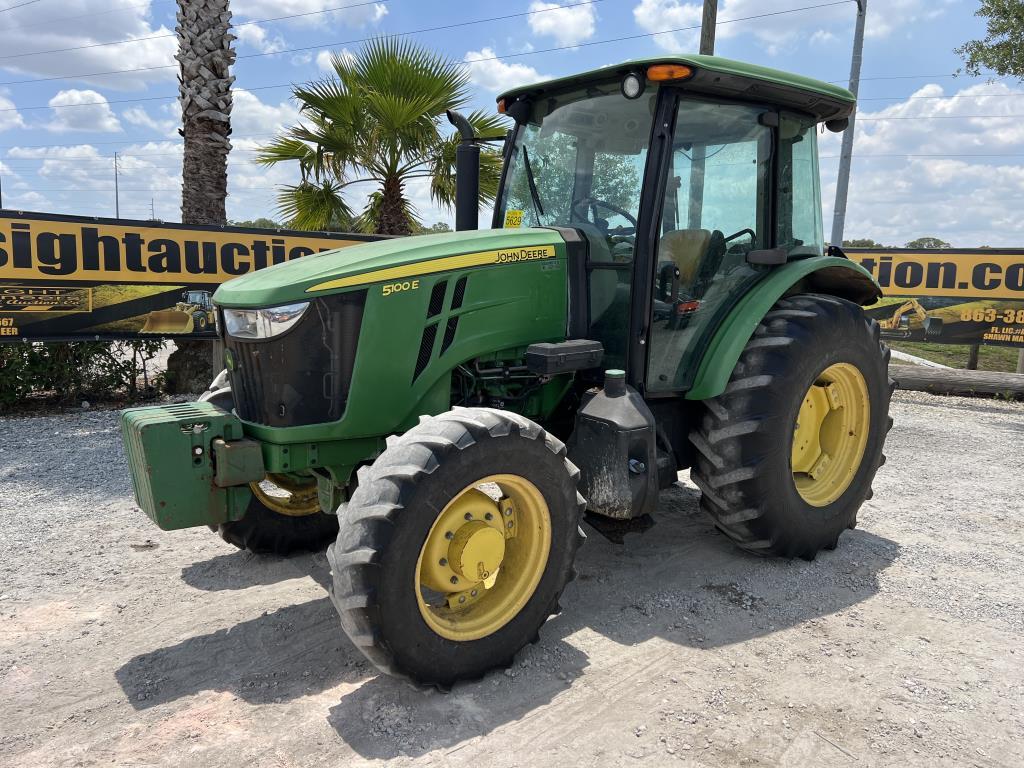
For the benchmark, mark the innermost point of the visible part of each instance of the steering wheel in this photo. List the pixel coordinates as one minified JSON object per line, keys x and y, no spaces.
{"x":593,"y":203}
{"x":745,"y":231}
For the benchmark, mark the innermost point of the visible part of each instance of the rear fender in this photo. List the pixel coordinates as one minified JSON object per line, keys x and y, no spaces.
{"x":830,"y":275}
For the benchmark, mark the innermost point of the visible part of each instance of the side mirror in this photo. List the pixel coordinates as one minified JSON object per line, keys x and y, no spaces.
{"x":769,"y":257}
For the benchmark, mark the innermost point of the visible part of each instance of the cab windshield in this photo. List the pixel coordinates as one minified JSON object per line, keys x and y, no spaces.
{"x":579,"y":162}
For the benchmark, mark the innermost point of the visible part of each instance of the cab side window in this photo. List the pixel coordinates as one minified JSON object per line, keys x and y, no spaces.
{"x":716,"y":212}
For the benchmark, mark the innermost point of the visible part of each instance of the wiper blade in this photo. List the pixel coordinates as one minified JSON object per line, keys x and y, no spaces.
{"x":538,"y":206}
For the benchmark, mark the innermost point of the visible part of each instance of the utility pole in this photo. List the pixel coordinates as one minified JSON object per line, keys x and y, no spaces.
{"x":117,"y":194}
{"x":152,"y":210}
{"x":846,"y":154}
{"x":707,"y":27}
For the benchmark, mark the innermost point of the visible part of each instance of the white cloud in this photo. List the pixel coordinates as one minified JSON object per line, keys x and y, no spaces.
{"x":78,"y":166}
{"x":360,"y":16}
{"x":323,"y":59}
{"x":782,"y":31}
{"x":250,"y":116}
{"x":494,"y":75}
{"x":167,"y":126}
{"x":567,"y":25}
{"x":256,"y":37}
{"x":658,"y":15}
{"x":9,"y":116}
{"x":34,"y":28}
{"x":81,"y":110}
{"x":907,"y":180}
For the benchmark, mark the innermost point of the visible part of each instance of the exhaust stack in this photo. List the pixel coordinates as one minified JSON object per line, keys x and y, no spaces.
{"x":467,"y":174}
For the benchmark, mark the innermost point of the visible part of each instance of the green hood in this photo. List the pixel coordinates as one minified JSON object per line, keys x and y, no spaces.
{"x":375,"y":262}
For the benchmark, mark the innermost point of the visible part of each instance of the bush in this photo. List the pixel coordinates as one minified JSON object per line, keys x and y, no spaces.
{"x":65,"y":372}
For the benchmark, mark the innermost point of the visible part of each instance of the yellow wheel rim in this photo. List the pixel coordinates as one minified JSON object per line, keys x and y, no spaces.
{"x":286,"y":496}
{"x":830,"y":434}
{"x":483,"y":557}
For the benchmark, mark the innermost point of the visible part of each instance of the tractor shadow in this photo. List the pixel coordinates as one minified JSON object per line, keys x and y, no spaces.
{"x":240,"y":570}
{"x":682,"y":581}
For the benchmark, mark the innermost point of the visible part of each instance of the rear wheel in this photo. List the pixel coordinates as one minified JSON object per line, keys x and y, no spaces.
{"x":456,"y":545}
{"x":786,"y":455}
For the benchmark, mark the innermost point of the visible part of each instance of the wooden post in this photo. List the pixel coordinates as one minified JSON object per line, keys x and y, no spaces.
{"x":972,"y":357}
{"x":707,"y":27}
{"x":1020,"y":361}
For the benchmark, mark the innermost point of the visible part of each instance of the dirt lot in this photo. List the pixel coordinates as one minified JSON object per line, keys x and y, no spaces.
{"x":123,"y":645}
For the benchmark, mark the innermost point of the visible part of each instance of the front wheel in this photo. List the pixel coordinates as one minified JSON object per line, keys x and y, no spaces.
{"x":456,"y":545}
{"x":787,"y":454}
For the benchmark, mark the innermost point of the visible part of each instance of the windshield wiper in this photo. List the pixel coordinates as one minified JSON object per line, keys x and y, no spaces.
{"x":538,"y":207}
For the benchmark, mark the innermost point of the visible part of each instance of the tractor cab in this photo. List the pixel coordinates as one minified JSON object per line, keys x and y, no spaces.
{"x":684,"y":199}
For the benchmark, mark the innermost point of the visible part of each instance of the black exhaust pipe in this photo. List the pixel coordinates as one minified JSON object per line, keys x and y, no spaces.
{"x":467,"y":174}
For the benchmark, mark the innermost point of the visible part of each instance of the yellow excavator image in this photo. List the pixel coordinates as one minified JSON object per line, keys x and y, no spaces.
{"x":898,"y":326}
{"x":194,"y":313}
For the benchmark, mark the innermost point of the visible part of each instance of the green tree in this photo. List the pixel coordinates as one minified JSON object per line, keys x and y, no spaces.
{"x":379,"y":120}
{"x":928,"y":242}
{"x":861,"y":242}
{"x":1002,"y":49}
{"x":260,"y":223}
{"x":616,"y":178}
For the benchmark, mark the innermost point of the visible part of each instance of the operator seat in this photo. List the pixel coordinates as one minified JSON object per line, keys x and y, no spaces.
{"x":697,"y":254}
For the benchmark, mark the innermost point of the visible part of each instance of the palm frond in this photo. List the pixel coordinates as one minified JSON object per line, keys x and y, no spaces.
{"x":310,"y":206}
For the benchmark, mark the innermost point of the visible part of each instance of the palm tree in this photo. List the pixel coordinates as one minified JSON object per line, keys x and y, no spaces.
{"x":204,"y":87}
{"x":379,"y":120}
{"x":205,"y":56}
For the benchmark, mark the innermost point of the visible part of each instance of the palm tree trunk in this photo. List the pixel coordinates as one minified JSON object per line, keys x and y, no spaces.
{"x":205,"y":56}
{"x":393,"y":218}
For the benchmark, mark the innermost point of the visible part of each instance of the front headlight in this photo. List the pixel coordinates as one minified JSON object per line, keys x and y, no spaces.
{"x":262,"y":323}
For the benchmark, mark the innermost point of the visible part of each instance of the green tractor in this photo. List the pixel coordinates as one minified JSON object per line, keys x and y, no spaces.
{"x":655,"y":294}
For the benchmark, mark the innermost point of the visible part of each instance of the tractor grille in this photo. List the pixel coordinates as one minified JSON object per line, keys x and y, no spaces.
{"x":303,"y":375}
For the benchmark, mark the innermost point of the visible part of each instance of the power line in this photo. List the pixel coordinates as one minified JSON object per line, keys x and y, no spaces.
{"x":19,"y":5}
{"x":444,"y":27}
{"x":940,"y":117}
{"x":234,"y":26}
{"x":57,"y":19}
{"x":959,"y":96}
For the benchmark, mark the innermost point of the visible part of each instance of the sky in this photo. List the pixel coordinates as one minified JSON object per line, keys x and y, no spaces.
{"x":935,"y":154}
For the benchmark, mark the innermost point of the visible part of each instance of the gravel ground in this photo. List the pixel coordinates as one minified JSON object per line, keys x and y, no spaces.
{"x":124,"y":645}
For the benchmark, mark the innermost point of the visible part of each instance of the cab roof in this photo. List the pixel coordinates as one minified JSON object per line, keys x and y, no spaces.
{"x":716,"y":76}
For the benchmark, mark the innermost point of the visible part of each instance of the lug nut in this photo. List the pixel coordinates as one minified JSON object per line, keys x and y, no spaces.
{"x":468,"y":516}
{"x":473,"y":593}
{"x":449,"y":535}
{"x":508,"y":524}
{"x":455,"y":579}
{"x":443,"y":561}
{"x":488,"y":516}
{"x":462,"y":599}
{"x":508,"y":512}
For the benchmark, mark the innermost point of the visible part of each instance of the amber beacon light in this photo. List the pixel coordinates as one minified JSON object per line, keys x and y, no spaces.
{"x":665,"y":72}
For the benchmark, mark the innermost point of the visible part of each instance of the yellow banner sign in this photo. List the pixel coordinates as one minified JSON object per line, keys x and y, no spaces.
{"x":977,"y":274}
{"x":71,"y":277}
{"x":948,"y":296}
{"x":45,"y":247}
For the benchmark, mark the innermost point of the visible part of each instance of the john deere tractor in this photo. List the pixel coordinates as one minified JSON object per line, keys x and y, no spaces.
{"x":654,"y":294}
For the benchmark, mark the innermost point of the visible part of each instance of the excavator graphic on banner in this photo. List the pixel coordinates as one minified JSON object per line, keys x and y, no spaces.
{"x":194,"y":313}
{"x":898,"y":326}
